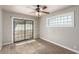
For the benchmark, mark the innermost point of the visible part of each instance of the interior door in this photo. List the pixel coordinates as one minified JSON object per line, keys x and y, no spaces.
{"x":23,"y":30}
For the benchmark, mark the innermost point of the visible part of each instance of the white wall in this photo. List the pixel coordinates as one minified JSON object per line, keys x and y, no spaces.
{"x":65,"y":36}
{"x":7,"y":25}
{"x":0,"y":28}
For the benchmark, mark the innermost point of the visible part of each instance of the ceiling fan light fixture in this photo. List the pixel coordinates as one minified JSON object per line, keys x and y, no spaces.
{"x":38,"y":13}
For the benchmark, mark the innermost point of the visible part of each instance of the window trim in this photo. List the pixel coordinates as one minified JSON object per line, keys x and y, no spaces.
{"x":62,"y":25}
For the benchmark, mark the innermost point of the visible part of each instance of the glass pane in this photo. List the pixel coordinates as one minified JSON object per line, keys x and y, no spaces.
{"x":69,"y":17}
{"x":19,"y":30}
{"x":29,"y":29}
{"x":60,"y":20}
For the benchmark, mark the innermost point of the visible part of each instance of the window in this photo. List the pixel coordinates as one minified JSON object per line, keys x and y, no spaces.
{"x":64,"y":20}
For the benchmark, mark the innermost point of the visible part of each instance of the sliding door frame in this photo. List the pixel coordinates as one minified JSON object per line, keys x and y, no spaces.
{"x":13,"y":28}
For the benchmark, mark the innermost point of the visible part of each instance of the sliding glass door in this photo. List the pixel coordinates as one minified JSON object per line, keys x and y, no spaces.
{"x":23,"y":30}
{"x":29,"y":29}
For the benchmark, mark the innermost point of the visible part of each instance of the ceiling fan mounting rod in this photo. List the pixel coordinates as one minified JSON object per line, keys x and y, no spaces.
{"x":38,"y":8}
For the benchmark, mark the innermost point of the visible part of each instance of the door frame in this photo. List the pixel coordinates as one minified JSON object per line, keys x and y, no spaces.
{"x":13,"y":30}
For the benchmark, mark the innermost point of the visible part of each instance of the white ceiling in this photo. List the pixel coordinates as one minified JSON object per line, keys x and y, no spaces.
{"x":28,"y":9}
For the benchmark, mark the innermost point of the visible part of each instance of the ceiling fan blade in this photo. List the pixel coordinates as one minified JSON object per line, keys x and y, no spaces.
{"x":45,"y":12}
{"x":44,"y":7}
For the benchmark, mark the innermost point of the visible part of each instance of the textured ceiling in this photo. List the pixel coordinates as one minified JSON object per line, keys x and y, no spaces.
{"x":29,"y":9}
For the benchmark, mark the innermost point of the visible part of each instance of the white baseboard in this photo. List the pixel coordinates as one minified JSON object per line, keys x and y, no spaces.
{"x":7,"y":43}
{"x":63,"y":46}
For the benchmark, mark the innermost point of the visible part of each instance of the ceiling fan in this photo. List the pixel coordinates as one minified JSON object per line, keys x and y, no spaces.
{"x":40,"y":9}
